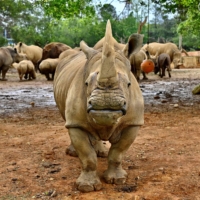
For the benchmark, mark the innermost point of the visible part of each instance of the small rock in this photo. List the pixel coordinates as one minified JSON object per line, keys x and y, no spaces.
{"x":172,"y":149}
{"x":54,"y":194}
{"x":32,"y":104}
{"x":47,"y":164}
{"x":164,"y":101}
{"x":176,"y":105}
{"x":156,"y":97}
{"x":161,"y":169}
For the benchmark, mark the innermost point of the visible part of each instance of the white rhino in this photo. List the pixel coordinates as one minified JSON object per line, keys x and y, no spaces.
{"x":48,"y":67}
{"x":100,"y":100}
{"x":26,"y":68}
{"x":169,"y":48}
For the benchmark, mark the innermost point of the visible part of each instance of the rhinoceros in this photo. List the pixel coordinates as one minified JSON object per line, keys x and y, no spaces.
{"x":100,"y":100}
{"x":8,"y":55}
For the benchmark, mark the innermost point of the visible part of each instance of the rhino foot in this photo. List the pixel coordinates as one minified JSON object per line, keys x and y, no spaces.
{"x":88,"y":182}
{"x":117,"y":176}
{"x":4,"y":79}
{"x":71,"y":151}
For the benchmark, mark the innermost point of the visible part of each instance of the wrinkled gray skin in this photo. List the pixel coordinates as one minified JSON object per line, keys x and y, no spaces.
{"x":100,"y":100}
{"x":8,"y":56}
{"x":162,"y":64}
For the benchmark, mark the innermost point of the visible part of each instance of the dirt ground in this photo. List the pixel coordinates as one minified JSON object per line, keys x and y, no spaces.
{"x":162,"y":164}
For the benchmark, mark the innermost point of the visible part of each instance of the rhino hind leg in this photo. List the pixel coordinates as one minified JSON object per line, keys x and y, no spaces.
{"x":98,"y":146}
{"x":4,"y":71}
{"x":115,"y":173}
{"x":144,"y":76}
{"x":47,"y":77}
{"x":71,"y":151}
{"x":88,"y":180}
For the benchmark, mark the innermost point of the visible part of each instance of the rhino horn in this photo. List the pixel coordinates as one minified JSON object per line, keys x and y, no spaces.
{"x":108,"y":74}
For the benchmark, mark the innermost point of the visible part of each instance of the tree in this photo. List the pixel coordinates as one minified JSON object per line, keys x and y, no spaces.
{"x":67,"y":8}
{"x":108,"y":12}
{"x":188,"y":12}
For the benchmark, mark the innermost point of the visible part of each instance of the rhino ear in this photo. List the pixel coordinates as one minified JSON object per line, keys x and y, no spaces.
{"x":89,"y":52}
{"x":133,"y":45}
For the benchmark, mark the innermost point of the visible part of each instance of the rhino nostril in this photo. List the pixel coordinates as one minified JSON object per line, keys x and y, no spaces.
{"x":90,"y":102}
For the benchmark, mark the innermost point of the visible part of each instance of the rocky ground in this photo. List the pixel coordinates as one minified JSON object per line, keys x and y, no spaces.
{"x":162,"y":164}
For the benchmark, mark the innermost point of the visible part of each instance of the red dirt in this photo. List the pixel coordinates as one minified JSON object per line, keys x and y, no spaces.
{"x":162,"y":163}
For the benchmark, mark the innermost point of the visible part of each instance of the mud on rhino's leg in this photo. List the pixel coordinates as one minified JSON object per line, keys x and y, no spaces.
{"x":115,"y":173}
{"x":88,"y":179}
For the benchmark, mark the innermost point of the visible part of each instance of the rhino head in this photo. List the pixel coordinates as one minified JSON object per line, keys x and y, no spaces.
{"x":108,"y":80}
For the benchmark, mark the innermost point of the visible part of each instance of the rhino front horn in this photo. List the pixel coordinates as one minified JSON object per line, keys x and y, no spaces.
{"x":108,"y":75}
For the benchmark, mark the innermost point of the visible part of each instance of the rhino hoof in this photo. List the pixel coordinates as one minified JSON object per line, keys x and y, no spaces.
{"x":115,"y":177}
{"x":89,"y":188}
{"x":88,"y":182}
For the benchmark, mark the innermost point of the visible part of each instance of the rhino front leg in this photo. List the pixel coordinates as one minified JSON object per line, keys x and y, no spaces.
{"x":115,"y":173}
{"x":88,"y":180}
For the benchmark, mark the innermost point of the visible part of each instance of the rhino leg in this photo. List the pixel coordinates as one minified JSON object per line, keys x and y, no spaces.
{"x":47,"y":76}
{"x":88,"y":179}
{"x":4,"y":71}
{"x":115,"y":173}
{"x":169,"y":69}
{"x":98,"y":146}
{"x":144,"y":76}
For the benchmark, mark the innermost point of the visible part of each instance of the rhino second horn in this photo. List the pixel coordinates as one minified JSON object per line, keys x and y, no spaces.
{"x":108,"y":71}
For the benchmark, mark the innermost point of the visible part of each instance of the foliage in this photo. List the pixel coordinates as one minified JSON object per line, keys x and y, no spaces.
{"x":67,"y":8}
{"x":27,"y":21}
{"x":108,"y":12}
{"x":3,"y":41}
{"x":188,"y":12}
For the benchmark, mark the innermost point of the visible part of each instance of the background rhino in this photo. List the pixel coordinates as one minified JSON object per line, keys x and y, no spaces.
{"x":162,"y":63}
{"x":33,"y":52}
{"x":8,"y":56}
{"x":48,"y":67}
{"x":100,"y":99}
{"x":169,"y":48}
{"x":25,"y":67}
{"x":52,"y":50}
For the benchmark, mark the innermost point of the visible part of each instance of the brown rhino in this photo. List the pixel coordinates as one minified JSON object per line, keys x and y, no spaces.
{"x":170,"y":48}
{"x":162,"y":63}
{"x":100,"y":100}
{"x":52,"y":50}
{"x":8,"y":56}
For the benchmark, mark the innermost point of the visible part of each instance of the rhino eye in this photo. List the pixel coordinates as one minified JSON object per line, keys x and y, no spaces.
{"x":129,"y":84}
{"x":86,"y":83}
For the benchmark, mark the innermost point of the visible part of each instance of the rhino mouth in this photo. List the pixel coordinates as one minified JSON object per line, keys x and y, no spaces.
{"x":91,"y":109}
{"x":105,"y":117}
